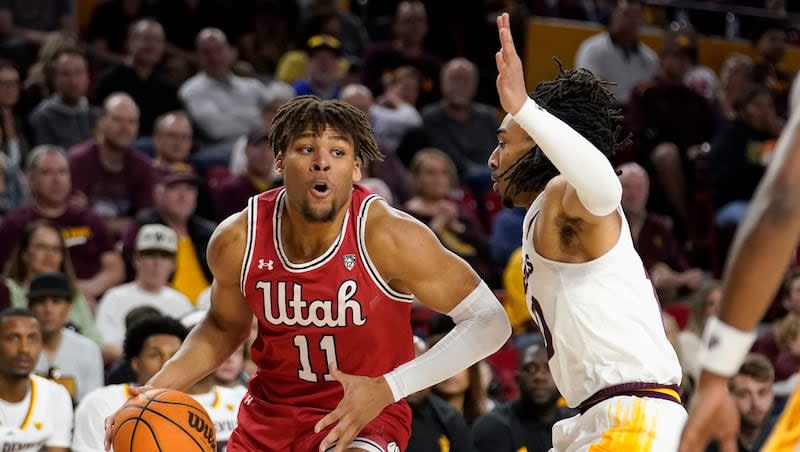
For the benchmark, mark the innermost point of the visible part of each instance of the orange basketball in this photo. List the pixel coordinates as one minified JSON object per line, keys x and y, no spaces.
{"x":163,"y":420}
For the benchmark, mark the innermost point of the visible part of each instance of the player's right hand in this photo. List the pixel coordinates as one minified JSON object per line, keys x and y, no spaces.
{"x":134,"y":391}
{"x":712,"y":415}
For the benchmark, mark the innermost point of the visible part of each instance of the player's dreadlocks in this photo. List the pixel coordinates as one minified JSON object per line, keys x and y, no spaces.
{"x":305,"y":112}
{"x":581,"y":100}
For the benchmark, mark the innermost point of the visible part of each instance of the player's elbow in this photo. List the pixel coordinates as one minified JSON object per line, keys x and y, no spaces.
{"x":603,"y":199}
{"x":498,"y":326}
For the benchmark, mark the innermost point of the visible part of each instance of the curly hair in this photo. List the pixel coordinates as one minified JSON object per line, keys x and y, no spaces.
{"x":148,"y":326}
{"x":582,"y":101}
{"x":304,"y":112}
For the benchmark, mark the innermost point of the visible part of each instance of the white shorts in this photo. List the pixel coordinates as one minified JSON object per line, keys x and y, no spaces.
{"x":622,"y":423}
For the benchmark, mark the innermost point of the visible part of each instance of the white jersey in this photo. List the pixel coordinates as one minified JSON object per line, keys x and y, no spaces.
{"x":42,"y":419}
{"x":221,"y":403}
{"x":600,"y":320}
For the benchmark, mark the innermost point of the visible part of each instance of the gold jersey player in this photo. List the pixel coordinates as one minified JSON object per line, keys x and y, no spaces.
{"x":585,"y":284}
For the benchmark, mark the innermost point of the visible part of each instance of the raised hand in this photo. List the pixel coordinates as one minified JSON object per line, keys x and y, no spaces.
{"x":510,"y":78}
{"x":712,"y":415}
{"x":364,"y":399}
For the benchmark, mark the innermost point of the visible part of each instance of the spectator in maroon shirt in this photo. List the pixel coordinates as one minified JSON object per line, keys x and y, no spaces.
{"x":653,"y":237}
{"x":231,"y":196}
{"x":667,"y":118}
{"x":98,"y":266}
{"x":409,"y":29}
{"x":111,"y":177}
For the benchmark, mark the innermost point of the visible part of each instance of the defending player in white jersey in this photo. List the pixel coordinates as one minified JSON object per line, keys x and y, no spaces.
{"x":149,"y":343}
{"x":35,"y":413}
{"x":585,"y":284}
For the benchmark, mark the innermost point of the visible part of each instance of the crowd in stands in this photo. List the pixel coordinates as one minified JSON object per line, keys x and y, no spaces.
{"x":125,"y":140}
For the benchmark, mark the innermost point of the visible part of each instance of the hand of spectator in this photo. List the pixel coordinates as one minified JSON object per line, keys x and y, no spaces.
{"x":510,"y":78}
{"x":364,"y":399}
{"x":133,"y":391}
{"x":712,"y":415}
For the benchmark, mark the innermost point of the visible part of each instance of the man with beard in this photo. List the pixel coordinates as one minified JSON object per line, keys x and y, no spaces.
{"x":525,"y":423}
{"x":751,"y":389}
{"x":35,"y":413}
{"x":111,"y":178}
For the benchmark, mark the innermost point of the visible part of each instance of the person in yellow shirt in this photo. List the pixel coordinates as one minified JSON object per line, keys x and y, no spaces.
{"x":175,"y":197}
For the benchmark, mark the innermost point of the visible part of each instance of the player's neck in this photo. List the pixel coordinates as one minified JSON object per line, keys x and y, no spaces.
{"x":304,"y":240}
{"x":14,"y":388}
{"x":528,"y":199}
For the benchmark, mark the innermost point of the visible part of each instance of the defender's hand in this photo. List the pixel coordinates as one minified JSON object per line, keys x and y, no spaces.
{"x":510,"y":78}
{"x":712,"y":415}
{"x":364,"y":399}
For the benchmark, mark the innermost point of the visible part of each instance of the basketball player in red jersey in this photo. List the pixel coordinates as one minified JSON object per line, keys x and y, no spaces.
{"x":330,"y":272}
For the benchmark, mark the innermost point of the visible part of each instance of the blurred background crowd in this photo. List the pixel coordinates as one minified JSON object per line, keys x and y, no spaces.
{"x":130,"y":128}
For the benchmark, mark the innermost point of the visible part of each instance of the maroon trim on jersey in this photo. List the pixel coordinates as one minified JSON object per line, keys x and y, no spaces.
{"x":637,"y":389}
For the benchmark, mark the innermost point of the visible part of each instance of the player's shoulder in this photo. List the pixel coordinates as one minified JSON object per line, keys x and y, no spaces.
{"x":48,"y":392}
{"x":387,"y":223}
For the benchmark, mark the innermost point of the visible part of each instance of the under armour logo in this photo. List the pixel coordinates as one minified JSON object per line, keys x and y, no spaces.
{"x":248,"y":399}
{"x":713,"y":341}
{"x":262,"y":264}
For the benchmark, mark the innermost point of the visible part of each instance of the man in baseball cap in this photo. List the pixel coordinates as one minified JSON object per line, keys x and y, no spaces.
{"x":323,"y":71}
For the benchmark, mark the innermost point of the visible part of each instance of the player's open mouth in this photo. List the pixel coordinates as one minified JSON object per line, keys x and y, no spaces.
{"x":320,"y":189}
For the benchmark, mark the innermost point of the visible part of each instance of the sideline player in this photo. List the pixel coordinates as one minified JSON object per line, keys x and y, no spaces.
{"x":764,"y":244}
{"x":330,"y":271}
{"x":586,"y":285}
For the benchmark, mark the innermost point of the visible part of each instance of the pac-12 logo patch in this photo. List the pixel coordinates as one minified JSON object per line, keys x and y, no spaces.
{"x":349,"y":261}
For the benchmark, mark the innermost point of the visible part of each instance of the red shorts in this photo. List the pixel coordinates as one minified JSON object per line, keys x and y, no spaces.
{"x":267,"y":427}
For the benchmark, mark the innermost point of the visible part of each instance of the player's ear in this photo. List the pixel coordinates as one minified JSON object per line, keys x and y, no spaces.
{"x":357,"y":170}
{"x":279,"y":163}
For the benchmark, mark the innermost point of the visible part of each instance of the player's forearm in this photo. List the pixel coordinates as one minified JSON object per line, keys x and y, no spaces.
{"x":482,"y":327}
{"x":206,"y":347}
{"x":579,"y":161}
{"x":760,"y":255}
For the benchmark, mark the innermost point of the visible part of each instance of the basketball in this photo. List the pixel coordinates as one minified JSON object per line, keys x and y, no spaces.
{"x":163,"y":419}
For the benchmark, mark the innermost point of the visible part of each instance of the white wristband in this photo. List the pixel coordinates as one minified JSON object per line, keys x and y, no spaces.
{"x":724,"y":347}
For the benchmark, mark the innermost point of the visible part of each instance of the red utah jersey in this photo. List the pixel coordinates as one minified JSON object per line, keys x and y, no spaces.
{"x":332,"y":309}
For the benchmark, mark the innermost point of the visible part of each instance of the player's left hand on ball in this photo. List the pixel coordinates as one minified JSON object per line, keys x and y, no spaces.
{"x":364,"y":399}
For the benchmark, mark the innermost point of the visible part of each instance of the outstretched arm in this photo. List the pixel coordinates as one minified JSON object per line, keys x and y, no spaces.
{"x":595,"y":190}
{"x":409,"y":256}
{"x":227,"y":323}
{"x":758,"y":259}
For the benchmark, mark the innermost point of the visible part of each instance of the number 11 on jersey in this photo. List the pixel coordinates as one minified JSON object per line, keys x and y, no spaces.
{"x":327,"y":345}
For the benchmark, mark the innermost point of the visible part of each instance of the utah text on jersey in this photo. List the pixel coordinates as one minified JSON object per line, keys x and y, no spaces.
{"x":280,"y":310}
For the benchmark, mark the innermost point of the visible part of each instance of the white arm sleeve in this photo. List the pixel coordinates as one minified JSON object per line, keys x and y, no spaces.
{"x":482,"y":327}
{"x":578,"y":160}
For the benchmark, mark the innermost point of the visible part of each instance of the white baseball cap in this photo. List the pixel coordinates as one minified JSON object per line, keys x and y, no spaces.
{"x":156,"y":237}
